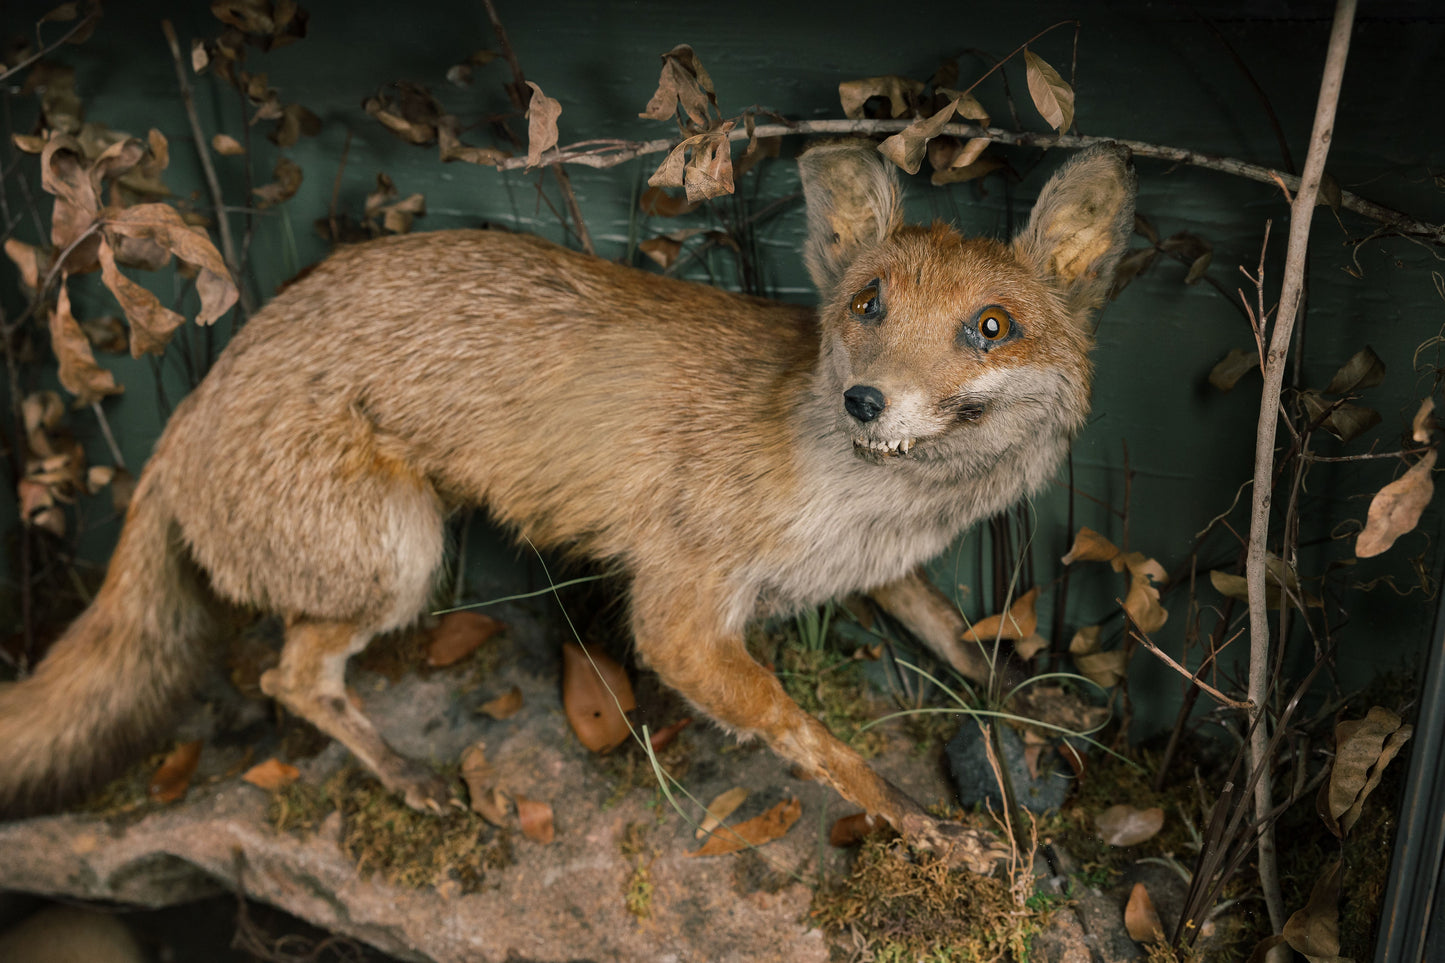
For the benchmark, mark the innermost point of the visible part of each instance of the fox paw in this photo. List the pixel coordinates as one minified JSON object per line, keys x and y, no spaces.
{"x":421,"y":789}
{"x":957,"y":845}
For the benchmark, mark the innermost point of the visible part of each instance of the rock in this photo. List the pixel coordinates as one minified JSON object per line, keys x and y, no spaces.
{"x":976,"y":784}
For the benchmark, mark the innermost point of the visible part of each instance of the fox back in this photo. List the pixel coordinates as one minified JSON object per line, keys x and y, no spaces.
{"x":735,"y":456}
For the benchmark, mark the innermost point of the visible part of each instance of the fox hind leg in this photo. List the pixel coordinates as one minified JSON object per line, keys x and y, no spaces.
{"x":311,"y":682}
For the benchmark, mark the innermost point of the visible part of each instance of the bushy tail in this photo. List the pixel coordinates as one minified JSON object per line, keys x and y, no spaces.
{"x":107,"y":688}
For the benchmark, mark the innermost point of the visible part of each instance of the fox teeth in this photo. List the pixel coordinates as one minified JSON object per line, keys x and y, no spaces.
{"x":898,"y":446}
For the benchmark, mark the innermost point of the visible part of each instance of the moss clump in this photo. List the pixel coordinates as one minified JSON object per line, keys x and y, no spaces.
{"x":909,"y":906}
{"x":637,"y":888}
{"x":384,"y":836}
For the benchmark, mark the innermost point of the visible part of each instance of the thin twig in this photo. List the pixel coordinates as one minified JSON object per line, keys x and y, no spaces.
{"x":1302,"y":211}
{"x":213,"y":183}
{"x":1193,"y":677}
{"x":41,"y":54}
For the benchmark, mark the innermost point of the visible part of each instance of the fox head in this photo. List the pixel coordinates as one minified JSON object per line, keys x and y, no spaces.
{"x":947,"y":351}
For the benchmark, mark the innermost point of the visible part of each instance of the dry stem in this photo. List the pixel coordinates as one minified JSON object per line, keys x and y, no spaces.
{"x":1302,"y":210}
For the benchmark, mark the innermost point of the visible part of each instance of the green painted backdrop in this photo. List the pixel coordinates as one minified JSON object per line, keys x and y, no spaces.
{"x":1147,"y":72}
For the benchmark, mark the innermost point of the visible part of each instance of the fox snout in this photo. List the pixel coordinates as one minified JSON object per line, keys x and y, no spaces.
{"x":864,"y":402}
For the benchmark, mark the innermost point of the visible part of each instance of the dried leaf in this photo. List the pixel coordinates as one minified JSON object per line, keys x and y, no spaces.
{"x":754,"y":832}
{"x":477,"y":772}
{"x":958,"y":175}
{"x":662,"y":251}
{"x":1420,"y":428}
{"x":285,"y":182}
{"x":1142,"y":602}
{"x":1124,"y":825}
{"x":151,"y":323}
{"x":1053,"y":98}
{"x":542,"y":114}
{"x":173,"y":778}
{"x":1342,"y":419}
{"x":902,"y":94}
{"x":1085,"y":640}
{"x":1396,"y":508}
{"x":1363,"y":370}
{"x":458,"y":635}
{"x":907,"y":148}
{"x":657,"y":201}
{"x":295,"y":122}
{"x":1315,"y":929}
{"x":596,"y":694}
{"x":1020,"y":622}
{"x":452,"y":149}
{"x":701,"y":164}
{"x":1105,"y":669}
{"x":1090,"y":546}
{"x":227,"y":146}
{"x":1363,"y":748}
{"x":722,"y":806}
{"x":1141,"y":919}
{"x":163,"y":225}
{"x":535,"y":818}
{"x":850,"y":830}
{"x":662,"y":738}
{"x":503,"y":706}
{"x":685,"y":84}
{"x":271,"y":775}
{"x":1235,"y":365}
{"x":79,"y":374}
{"x":38,"y":507}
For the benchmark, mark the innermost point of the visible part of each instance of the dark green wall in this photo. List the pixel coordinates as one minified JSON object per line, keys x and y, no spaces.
{"x":1151,"y":73}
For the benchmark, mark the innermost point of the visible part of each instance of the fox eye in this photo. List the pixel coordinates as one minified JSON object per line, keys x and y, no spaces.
{"x":989,"y":328}
{"x":867,"y":305}
{"x":994,"y":323}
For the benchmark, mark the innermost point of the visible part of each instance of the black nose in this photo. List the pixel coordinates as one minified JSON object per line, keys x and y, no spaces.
{"x":864,"y":402}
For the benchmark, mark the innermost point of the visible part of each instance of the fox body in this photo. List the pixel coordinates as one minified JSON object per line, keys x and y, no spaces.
{"x":735,"y":457}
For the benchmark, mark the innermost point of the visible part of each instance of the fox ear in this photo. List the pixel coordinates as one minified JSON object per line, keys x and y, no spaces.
{"x":852,"y":199}
{"x":1081,"y":225}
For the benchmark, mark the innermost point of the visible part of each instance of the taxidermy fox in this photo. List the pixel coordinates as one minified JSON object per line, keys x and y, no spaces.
{"x":735,"y":457}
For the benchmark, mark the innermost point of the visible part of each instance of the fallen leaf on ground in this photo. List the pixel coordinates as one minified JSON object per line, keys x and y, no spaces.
{"x":173,"y":778}
{"x":503,"y":706}
{"x":754,"y":832}
{"x":660,"y":739}
{"x":272,"y":774}
{"x":1141,"y":919}
{"x":458,"y":635}
{"x":596,"y":694}
{"x":849,"y":830}
{"x":1124,"y":825}
{"x":536,"y":820}
{"x":723,"y":806}
{"x":1314,"y":930}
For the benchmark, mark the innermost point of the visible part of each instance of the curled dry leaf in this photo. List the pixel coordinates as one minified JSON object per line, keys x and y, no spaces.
{"x":1020,"y":622}
{"x":79,"y":374}
{"x":722,"y":806}
{"x":658,"y":202}
{"x":458,"y":635}
{"x":542,"y":114}
{"x":27,"y":260}
{"x":1396,"y":508}
{"x":173,"y":778}
{"x":151,"y":323}
{"x":1051,"y":95}
{"x":271,"y":775}
{"x":762,"y":829}
{"x":1315,"y":929}
{"x":1090,"y":546}
{"x":535,"y":818}
{"x":595,"y":695}
{"x":1124,"y":825}
{"x":1363,"y":748}
{"x":227,"y":146}
{"x":1363,"y":370}
{"x":849,"y":830}
{"x":451,"y":148}
{"x":701,"y":165}
{"x":1342,"y":419}
{"x":1235,"y":365}
{"x":503,"y":706}
{"x":1141,"y":919}
{"x":286,"y":179}
{"x":164,"y":225}
{"x":663,"y":737}
{"x":684,"y":83}
{"x":908,"y":147}
{"x":1424,"y":421}
{"x":902,"y":94}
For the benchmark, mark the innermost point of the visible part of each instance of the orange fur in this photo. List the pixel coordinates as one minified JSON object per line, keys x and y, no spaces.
{"x":736,"y":457}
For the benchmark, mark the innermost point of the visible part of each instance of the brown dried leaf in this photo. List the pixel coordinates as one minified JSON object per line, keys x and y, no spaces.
{"x":477,"y":772}
{"x":971,"y":172}
{"x":658,"y":202}
{"x":295,"y":122}
{"x":38,"y":508}
{"x":1363,"y":370}
{"x":662,"y":251}
{"x":754,"y":832}
{"x":271,"y":775}
{"x":1142,"y":602}
{"x":414,"y":115}
{"x":596,"y":694}
{"x":907,"y":148}
{"x":1363,"y":748}
{"x":452,"y":149}
{"x":458,"y":635}
{"x":79,"y":374}
{"x":173,"y":778}
{"x":503,"y":706}
{"x":27,"y":259}
{"x":1141,"y":919}
{"x":902,"y":94}
{"x":286,"y":181}
{"x":684,"y":83}
{"x":1315,"y":929}
{"x":1396,"y":508}
{"x":163,"y":225}
{"x":1090,"y":546}
{"x":722,"y":806}
{"x":850,"y":830}
{"x":1235,"y":365}
{"x":151,"y":323}
{"x":1105,"y":669}
{"x":1019,"y":622}
{"x":1124,"y":825}
{"x":1420,"y":428}
{"x":1342,"y":419}
{"x":542,"y":114}
{"x":1051,"y":95}
{"x":663,"y":737}
{"x":535,"y":818}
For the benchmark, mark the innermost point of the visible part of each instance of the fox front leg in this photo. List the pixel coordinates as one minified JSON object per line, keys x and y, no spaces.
{"x":679,"y":631}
